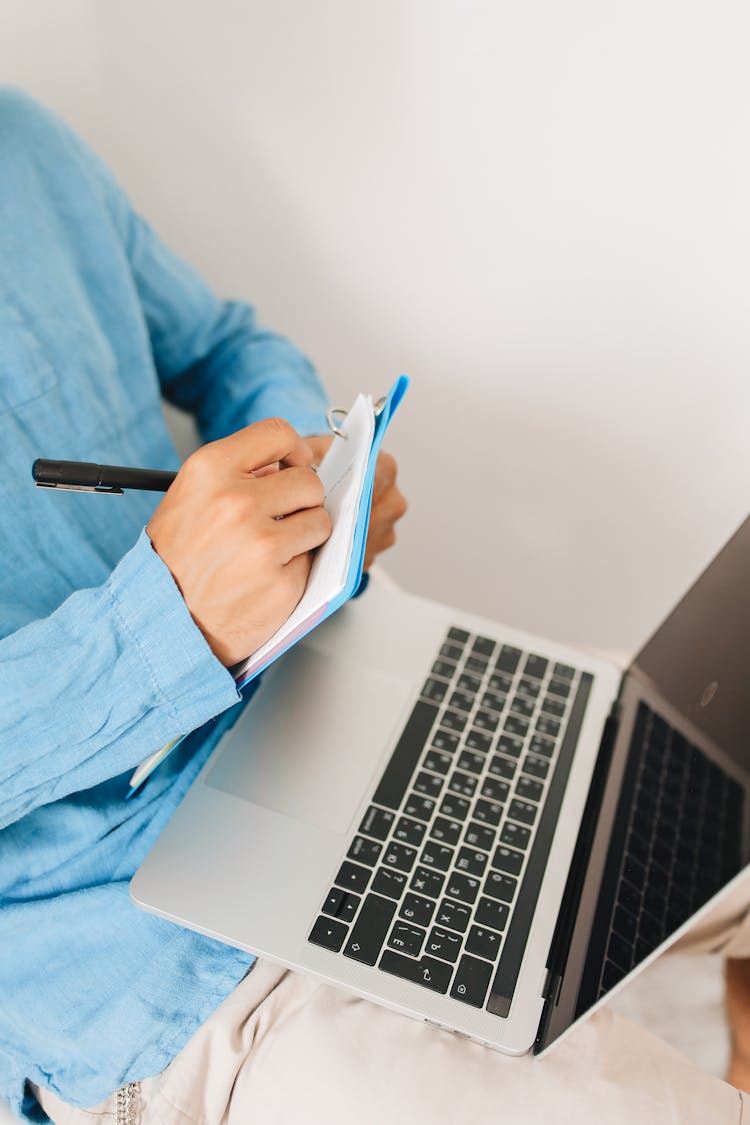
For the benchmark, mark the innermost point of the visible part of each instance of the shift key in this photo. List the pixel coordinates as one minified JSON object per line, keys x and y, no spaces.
{"x":369,"y":932}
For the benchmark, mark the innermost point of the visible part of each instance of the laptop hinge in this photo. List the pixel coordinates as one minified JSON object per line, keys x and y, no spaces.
{"x":566,"y":918}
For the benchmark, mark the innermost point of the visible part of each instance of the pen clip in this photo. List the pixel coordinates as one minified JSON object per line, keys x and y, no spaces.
{"x":81,"y":488}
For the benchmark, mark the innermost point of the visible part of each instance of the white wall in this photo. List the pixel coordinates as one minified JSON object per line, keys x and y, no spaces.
{"x":539,"y":210}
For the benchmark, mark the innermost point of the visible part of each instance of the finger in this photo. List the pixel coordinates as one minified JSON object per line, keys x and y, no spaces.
{"x":267,"y":470}
{"x":291,"y":490}
{"x":385,"y":475}
{"x":254,"y":447}
{"x":389,"y":507}
{"x":303,"y":531}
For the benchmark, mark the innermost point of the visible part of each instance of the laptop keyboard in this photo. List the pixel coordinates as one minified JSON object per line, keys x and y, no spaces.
{"x":430,"y":883}
{"x":683,"y":843}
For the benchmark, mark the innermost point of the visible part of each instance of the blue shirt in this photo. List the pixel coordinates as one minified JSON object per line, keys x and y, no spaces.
{"x":100,"y":661}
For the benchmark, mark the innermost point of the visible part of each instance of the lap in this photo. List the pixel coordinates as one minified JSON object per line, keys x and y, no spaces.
{"x":285,"y":1048}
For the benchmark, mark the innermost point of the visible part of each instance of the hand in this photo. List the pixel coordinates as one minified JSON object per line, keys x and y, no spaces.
{"x":388,"y":503}
{"x":241,"y":569}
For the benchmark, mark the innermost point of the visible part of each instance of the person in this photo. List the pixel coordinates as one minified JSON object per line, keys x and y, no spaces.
{"x":119,"y":621}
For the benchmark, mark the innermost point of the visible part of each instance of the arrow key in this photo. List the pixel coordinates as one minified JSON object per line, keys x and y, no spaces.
{"x":329,"y":933}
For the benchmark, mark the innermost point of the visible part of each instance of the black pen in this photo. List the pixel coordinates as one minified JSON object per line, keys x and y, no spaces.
{"x":82,"y":476}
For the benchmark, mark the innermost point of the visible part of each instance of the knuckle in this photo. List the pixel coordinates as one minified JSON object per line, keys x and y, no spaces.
{"x":279,"y":426}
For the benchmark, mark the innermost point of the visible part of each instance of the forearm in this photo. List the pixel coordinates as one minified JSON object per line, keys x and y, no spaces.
{"x":108,"y":678}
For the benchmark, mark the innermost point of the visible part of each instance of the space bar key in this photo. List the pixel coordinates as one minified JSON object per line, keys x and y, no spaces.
{"x":400,"y":770}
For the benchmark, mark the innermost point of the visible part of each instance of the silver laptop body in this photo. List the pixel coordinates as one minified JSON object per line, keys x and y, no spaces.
{"x":403,"y":812}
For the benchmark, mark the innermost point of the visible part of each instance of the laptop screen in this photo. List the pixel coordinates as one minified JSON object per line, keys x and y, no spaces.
{"x":666,"y":822}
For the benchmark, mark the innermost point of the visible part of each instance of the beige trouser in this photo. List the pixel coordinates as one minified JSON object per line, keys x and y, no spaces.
{"x":284,"y":1049}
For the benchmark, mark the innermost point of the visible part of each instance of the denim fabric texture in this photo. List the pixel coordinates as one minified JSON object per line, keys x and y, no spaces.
{"x":100,"y":661}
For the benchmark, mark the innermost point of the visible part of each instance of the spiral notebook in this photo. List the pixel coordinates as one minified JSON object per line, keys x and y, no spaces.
{"x":348,"y":473}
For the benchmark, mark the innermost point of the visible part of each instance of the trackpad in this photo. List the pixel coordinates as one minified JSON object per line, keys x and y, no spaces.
{"x":308,"y":743}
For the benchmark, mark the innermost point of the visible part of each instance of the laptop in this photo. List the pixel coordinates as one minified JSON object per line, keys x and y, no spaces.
{"x":469,"y":824}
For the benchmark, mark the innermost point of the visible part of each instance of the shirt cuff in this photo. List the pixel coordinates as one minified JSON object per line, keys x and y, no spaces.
{"x":168,"y":645}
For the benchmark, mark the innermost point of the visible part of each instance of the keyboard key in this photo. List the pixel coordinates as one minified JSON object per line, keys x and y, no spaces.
{"x":460,"y":636}
{"x":471,"y":861}
{"x":471,"y":981}
{"x":558,"y":688}
{"x":452,"y":651}
{"x":329,"y":933}
{"x":406,"y":939}
{"x":436,"y":855}
{"x":399,"y":856}
{"x":625,"y":923}
{"x":515,"y":835}
{"x":377,"y":822}
{"x":478,"y":740}
{"x":563,"y":672}
{"x":443,"y":668}
{"x":416,"y":909}
{"x":353,"y":877}
{"x":437,"y":761}
{"x":499,"y":682}
{"x":420,"y":807}
{"x":483,"y":646}
{"x":364,"y":851}
{"x":529,"y":789}
{"x":400,"y":769}
{"x":495,"y":790}
{"x":529,"y":687}
{"x":455,"y":806}
{"x":523,"y":811}
{"x":543,"y":746}
{"x":501,"y":886}
{"x":508,"y":659}
{"x":502,"y":767}
{"x":472,"y":761}
{"x":341,"y":904}
{"x":462,"y":783}
{"x":510,"y":745}
{"x":553,"y":706}
{"x":410,"y":831}
{"x":463,"y":887}
{"x":434,"y":690}
{"x":368,"y":933}
{"x":537,"y":767}
{"x":490,"y":912}
{"x":454,"y":914}
{"x":428,"y":784}
{"x":545,"y":724}
{"x":483,"y":942}
{"x":445,"y":740}
{"x":427,"y":882}
{"x":446,"y":831}
{"x":514,"y":724}
{"x":461,"y":701}
{"x":428,"y":972}
{"x":522,"y":706}
{"x":454,"y":720}
{"x":489,"y":812}
{"x":535,"y":666}
{"x":469,"y":683}
{"x":479,"y":836}
{"x":390,"y":883}
{"x":486,"y":720}
{"x":508,"y":860}
{"x":476,"y":664}
{"x":442,"y":943}
{"x":494,"y":701}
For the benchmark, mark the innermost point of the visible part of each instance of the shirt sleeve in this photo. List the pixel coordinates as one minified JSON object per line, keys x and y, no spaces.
{"x":212,"y":357}
{"x":125,"y":671}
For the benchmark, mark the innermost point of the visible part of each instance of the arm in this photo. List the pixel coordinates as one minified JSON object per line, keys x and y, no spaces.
{"x":112,"y":675}
{"x":211,"y":356}
{"x":118,"y":671}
